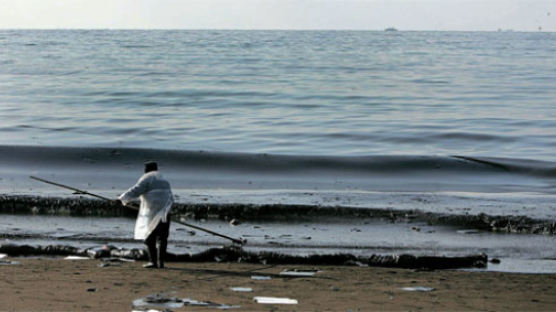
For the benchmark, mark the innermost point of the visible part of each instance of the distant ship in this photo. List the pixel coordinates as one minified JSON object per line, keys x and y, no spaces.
{"x":391,"y":29}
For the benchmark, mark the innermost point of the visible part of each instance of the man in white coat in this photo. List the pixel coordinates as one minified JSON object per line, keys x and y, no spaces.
{"x":153,"y":219}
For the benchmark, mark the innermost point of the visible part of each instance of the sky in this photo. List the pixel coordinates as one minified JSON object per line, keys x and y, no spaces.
{"x":466,"y":15}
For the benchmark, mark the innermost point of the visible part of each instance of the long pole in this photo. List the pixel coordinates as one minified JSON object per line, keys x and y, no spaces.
{"x":134,"y":207}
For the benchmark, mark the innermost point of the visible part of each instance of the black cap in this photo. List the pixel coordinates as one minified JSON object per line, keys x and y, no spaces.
{"x":151,"y":166}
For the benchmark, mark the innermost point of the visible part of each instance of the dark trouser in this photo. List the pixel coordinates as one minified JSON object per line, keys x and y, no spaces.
{"x":160,"y":236}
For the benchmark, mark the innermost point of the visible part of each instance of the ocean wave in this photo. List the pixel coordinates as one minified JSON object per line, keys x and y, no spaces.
{"x":246,"y":162}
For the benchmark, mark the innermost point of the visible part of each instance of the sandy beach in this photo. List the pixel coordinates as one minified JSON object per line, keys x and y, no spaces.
{"x":54,"y":284}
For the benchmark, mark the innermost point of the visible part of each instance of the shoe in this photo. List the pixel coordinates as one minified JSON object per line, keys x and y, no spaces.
{"x":149,"y":265}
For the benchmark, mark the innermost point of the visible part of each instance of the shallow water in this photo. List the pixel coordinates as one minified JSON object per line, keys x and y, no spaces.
{"x":519,"y":253}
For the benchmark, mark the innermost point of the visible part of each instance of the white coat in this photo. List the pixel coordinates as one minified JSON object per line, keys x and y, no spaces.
{"x":156,"y":202}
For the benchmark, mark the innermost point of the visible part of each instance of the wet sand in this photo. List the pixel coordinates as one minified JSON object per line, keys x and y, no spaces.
{"x":53,"y":284}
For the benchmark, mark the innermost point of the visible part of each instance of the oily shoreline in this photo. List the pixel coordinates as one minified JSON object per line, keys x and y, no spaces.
{"x":81,"y":206}
{"x":52,"y":284}
{"x":238,"y":255}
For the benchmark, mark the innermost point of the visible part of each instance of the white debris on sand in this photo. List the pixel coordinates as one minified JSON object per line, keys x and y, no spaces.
{"x":274,"y":300}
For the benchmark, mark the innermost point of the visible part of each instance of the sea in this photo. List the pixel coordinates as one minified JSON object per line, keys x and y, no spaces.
{"x":438,"y":125}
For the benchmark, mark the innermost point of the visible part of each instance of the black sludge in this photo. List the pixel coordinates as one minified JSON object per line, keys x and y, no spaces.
{"x":233,"y":254}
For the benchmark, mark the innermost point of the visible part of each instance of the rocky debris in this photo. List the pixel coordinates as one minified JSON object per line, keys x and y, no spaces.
{"x":50,"y":250}
{"x":168,"y":302}
{"x":75,"y":206}
{"x":106,"y":251}
{"x":158,"y":300}
{"x":81,"y":206}
{"x":235,"y":254}
{"x":434,"y":262}
{"x":520,"y":225}
{"x":503,"y":224}
{"x":208,"y":304}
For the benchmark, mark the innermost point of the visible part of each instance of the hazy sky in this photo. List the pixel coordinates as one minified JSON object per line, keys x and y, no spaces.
{"x":281,"y":14}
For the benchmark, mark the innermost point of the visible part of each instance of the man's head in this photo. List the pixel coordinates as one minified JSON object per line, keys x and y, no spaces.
{"x":151,"y":166}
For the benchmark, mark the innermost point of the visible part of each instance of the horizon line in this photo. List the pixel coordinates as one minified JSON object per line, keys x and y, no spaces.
{"x":278,"y":29}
